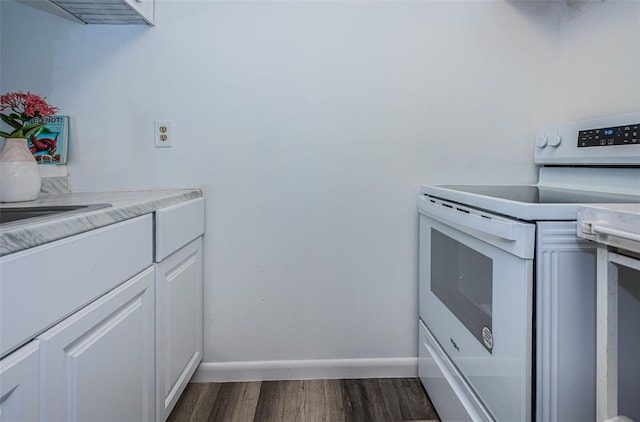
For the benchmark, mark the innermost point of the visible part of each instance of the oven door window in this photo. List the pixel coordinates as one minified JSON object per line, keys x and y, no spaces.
{"x":461,"y":278}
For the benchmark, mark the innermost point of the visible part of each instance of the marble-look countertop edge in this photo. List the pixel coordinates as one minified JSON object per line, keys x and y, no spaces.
{"x":124,"y":205}
{"x":616,"y":216}
{"x":616,"y":225}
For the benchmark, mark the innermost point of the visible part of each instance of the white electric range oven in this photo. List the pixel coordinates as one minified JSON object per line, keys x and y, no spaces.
{"x":507,"y":291}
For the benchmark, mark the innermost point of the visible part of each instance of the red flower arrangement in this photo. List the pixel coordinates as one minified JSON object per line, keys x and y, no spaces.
{"x":22,"y":110}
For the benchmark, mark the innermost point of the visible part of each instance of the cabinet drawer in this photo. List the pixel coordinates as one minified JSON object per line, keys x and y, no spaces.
{"x":42,"y":285}
{"x":178,"y":225}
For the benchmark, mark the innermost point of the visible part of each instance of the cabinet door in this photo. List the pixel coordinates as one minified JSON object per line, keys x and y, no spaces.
{"x":20,"y":385}
{"x":178,"y":324}
{"x":97,"y":365}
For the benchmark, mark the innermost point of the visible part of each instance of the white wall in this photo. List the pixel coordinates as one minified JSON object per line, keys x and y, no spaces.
{"x":311,"y":125}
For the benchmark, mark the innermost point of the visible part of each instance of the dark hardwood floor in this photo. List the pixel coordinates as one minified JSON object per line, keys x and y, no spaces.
{"x":347,"y":400}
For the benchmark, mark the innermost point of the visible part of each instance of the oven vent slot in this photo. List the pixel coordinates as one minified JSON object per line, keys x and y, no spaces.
{"x":505,"y":233}
{"x":457,"y":207}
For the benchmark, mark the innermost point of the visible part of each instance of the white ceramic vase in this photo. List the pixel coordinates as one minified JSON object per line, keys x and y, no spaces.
{"x":20,"y":178}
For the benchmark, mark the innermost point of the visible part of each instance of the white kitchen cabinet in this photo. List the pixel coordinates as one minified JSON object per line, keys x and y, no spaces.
{"x":98,"y":364}
{"x":178,"y":225}
{"x":78,"y":320}
{"x":77,"y":338}
{"x":179,"y":324}
{"x":120,"y":12}
{"x":178,"y":265}
{"x":145,"y":8}
{"x":20,"y":385}
{"x":45,"y":284}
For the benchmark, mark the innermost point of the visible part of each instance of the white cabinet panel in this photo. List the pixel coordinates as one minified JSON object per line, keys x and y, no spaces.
{"x":178,"y":324}
{"x":144,"y":7}
{"x":99,"y":362}
{"x":74,"y":271}
{"x":178,"y":225}
{"x":565,"y":321}
{"x":20,"y":385}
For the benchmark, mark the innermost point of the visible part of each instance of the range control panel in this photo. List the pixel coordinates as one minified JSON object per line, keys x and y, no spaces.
{"x":576,"y":143}
{"x":617,"y":135}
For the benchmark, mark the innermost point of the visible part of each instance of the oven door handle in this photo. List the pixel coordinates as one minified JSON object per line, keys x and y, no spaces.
{"x":472,"y":219}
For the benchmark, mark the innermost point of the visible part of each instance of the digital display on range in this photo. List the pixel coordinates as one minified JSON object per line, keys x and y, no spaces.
{"x":602,"y":137}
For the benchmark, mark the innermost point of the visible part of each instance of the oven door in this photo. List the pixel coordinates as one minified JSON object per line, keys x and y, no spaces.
{"x":476,"y":294}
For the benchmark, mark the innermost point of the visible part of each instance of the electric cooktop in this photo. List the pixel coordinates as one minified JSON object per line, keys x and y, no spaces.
{"x":531,"y":194}
{"x":526,"y":202}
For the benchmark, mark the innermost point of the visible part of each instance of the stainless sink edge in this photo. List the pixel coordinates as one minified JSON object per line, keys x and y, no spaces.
{"x":56,"y":212}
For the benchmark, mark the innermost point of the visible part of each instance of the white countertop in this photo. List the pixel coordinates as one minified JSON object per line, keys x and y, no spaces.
{"x":620,"y":222}
{"x":21,"y":235}
{"x":615,"y":208}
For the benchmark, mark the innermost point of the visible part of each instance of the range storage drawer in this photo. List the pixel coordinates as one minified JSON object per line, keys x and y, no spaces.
{"x":178,"y":225}
{"x":452,"y":398}
{"x":42,"y":285}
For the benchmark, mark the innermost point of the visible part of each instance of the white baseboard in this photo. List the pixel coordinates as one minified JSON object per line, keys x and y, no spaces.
{"x":306,"y":369}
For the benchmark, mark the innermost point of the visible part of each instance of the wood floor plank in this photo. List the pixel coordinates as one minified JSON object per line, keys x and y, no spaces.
{"x":363,"y":401}
{"x":323,"y":401}
{"x":195,"y":403}
{"x":350,"y":400}
{"x":235,"y":401}
{"x":334,"y":400}
{"x":280,"y":401}
{"x":406,"y":400}
{"x":206,"y":401}
{"x":187,"y":403}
